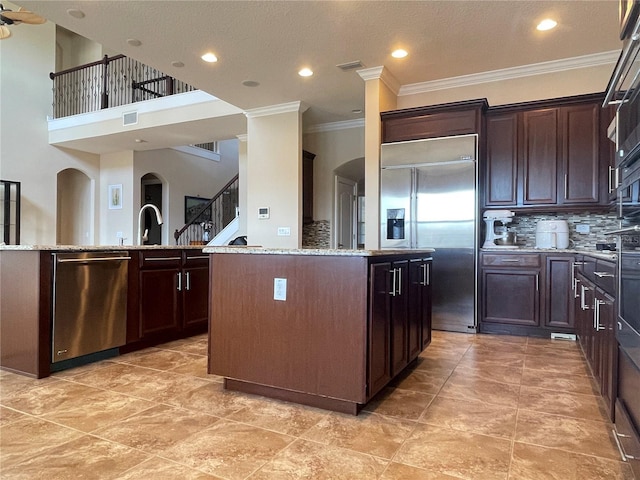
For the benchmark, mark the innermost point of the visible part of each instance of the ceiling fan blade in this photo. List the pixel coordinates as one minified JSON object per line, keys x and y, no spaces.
{"x":24,"y":16}
{"x":4,"y":32}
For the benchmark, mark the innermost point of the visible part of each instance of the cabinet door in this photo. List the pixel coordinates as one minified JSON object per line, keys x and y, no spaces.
{"x":580,"y":180}
{"x":558,"y":292}
{"x":502,"y":160}
{"x":604,"y":326}
{"x":159,"y":300}
{"x":399,"y":316}
{"x":419,"y":309}
{"x":511,"y":296}
{"x":195,"y":296}
{"x":540,"y":157}
{"x":379,"y":365}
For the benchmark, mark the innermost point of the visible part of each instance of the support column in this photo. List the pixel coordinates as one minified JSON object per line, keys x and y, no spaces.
{"x":380,"y":96}
{"x":274,"y":175}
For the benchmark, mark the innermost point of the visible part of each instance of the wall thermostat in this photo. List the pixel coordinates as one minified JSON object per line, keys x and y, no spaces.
{"x":263,"y":212}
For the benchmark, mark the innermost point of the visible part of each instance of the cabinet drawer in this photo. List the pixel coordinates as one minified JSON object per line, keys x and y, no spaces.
{"x":196,"y":259}
{"x":502,"y":260}
{"x":605,"y":276}
{"x":160,"y":259}
{"x":627,"y":436}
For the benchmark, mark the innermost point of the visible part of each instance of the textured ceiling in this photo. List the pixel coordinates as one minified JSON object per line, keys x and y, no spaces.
{"x":269,"y":41}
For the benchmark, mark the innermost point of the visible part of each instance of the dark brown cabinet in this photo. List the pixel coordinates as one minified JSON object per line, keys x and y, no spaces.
{"x":172,"y":295}
{"x":458,"y":118}
{"x":558,"y":301}
{"x":595,"y":319}
{"x":307,"y":186}
{"x":399,"y":319}
{"x":548,"y":154}
{"x":510,"y":292}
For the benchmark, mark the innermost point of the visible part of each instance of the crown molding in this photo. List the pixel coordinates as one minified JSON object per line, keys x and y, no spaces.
{"x":276,"y":109}
{"x":572,"y":63}
{"x":334,"y":126}
{"x":380,"y":73}
{"x":242,"y":137}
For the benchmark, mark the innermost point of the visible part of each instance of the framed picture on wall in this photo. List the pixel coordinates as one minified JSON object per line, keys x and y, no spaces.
{"x":193,"y":205}
{"x":115,"y":196}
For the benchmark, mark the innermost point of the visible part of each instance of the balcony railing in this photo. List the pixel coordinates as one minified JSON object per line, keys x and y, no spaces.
{"x":110,"y":82}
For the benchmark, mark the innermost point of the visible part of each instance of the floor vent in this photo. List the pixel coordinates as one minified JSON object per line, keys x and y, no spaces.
{"x":130,"y":118}
{"x":563,"y":336}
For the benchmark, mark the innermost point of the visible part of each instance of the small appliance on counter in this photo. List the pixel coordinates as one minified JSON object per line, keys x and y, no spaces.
{"x":497,"y":234}
{"x":552,"y":234}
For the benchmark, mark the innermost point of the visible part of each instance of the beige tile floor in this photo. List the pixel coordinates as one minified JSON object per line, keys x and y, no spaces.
{"x":472,"y":407}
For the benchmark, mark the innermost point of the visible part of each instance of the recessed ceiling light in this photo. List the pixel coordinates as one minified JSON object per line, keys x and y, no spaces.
{"x":134,"y":42}
{"x":305,"y":72}
{"x":250,"y":83}
{"x":546,"y":24}
{"x":399,"y":53}
{"x":75,"y":13}
{"x":177,"y":64}
{"x":209,"y":57}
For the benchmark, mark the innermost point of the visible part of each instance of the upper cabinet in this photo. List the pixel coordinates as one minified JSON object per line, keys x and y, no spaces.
{"x":459,"y":118}
{"x":551,"y":154}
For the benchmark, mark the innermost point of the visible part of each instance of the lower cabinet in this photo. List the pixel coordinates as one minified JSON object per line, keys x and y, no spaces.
{"x":526,"y":293}
{"x":595,"y":317}
{"x":399,"y":317}
{"x":171,"y":296}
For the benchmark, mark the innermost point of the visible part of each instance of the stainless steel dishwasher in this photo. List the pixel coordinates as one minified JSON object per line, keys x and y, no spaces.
{"x":89,"y":303}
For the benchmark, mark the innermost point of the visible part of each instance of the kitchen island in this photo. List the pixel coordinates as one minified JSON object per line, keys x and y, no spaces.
{"x":327,"y":328}
{"x":166,"y":294}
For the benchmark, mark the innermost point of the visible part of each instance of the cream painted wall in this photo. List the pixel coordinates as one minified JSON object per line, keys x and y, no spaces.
{"x":274,"y":177}
{"x":75,"y":50}
{"x":332,"y":149}
{"x":182,"y":174}
{"x":25,"y":155}
{"x":74,"y":209}
{"x":537,"y":87}
{"x":117,"y":169}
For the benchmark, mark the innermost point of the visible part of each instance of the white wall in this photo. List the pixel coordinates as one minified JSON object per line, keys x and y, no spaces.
{"x":537,"y":87}
{"x":26,"y":58}
{"x":332,"y":149}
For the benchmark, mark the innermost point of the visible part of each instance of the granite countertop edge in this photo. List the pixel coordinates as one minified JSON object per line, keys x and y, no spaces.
{"x":605,"y":255}
{"x":96,"y":248}
{"x":252,"y":250}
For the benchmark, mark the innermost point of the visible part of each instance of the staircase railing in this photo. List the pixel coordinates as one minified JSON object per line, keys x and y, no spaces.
{"x":110,"y":82}
{"x":211,"y":217}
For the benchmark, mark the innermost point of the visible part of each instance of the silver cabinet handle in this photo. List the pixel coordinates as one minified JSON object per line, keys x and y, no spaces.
{"x":179,"y":281}
{"x":537,"y":282}
{"x":510,"y":260}
{"x":188,"y":275}
{"x":426,"y":275}
{"x":400,"y":281}
{"x":91,"y":260}
{"x":603,"y":274}
{"x":596,"y":315}
{"x":161,"y":259}
{"x":575,"y":288}
{"x":394,"y":274}
{"x":428,"y":269}
{"x":583,"y":303}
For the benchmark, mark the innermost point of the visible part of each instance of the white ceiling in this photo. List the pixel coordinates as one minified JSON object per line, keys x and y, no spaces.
{"x":269,"y":41}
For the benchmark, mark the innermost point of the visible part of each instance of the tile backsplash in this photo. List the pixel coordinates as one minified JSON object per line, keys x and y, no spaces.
{"x":525,"y":227}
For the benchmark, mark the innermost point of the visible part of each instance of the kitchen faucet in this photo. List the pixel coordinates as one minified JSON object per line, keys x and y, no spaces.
{"x":141,"y":237}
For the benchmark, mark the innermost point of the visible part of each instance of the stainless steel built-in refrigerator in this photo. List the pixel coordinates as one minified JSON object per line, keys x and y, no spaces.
{"x":428,"y":199}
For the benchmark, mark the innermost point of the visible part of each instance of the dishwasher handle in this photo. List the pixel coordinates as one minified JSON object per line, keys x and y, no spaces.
{"x":91,"y":260}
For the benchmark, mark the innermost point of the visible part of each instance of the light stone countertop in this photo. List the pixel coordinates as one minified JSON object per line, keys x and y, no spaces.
{"x":94,"y":248}
{"x":311,"y":251}
{"x":603,"y":254}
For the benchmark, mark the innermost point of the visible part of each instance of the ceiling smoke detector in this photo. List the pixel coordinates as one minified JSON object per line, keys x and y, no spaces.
{"x":350,"y":65}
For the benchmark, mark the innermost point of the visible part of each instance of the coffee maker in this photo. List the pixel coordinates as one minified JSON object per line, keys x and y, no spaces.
{"x":497,"y":234}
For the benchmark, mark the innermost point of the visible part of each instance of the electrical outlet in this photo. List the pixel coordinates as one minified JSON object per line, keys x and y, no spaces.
{"x":583,"y":228}
{"x":119,"y":235}
{"x":280,"y":289}
{"x":284,"y":231}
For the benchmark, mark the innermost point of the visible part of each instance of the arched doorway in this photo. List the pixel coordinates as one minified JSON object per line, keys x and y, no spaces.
{"x":349,"y":204}
{"x":151,"y":192}
{"x":74,"y":208}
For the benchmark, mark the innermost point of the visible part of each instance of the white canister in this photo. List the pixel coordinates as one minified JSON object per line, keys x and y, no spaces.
{"x":552,"y":234}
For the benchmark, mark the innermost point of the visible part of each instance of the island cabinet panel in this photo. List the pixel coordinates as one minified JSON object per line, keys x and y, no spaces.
{"x":25,"y":305}
{"x":314,"y":341}
{"x":339,"y":331}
